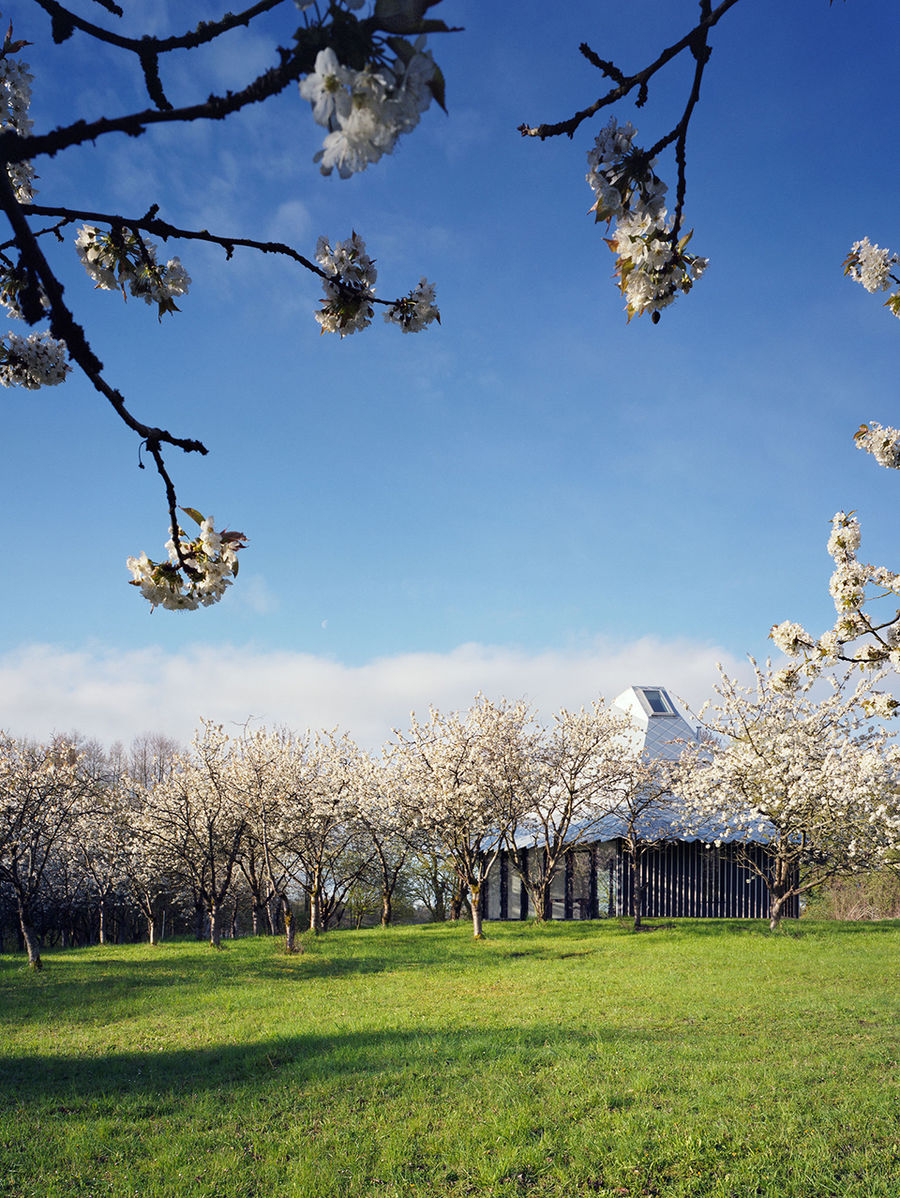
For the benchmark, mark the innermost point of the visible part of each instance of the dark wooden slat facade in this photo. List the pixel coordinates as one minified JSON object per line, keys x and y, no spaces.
{"x":682,"y":879}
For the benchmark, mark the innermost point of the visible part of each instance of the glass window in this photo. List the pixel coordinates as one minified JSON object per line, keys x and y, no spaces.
{"x":658,"y":701}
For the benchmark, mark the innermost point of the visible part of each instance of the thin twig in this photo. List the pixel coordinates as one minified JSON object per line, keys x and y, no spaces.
{"x":206,"y":31}
{"x":629,"y":82}
{"x":152,"y":225}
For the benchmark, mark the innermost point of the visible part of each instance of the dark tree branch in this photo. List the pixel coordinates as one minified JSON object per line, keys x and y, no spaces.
{"x":608,"y":68}
{"x":64,"y":326}
{"x":16,"y":148}
{"x":153,"y":448}
{"x":701,"y":52}
{"x":206,"y":31}
{"x":627,"y":83}
{"x":110,"y":6}
{"x":152,"y":81}
{"x":150,"y":224}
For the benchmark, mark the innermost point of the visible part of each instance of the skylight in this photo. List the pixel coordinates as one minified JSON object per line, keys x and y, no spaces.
{"x":658,"y":701}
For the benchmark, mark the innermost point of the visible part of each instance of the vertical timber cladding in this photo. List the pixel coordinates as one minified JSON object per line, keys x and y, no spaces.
{"x":682,"y":879}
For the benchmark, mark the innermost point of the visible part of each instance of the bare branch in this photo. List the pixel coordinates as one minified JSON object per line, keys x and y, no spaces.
{"x":206,"y":31}
{"x":627,"y":83}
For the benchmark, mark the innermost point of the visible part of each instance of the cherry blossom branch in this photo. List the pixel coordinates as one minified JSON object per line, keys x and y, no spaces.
{"x":627,"y":83}
{"x":66,"y":22}
{"x":122,"y":257}
{"x":14,"y":147}
{"x":64,"y":326}
{"x":149,"y":49}
{"x":701,"y":51}
{"x":151,"y":224}
{"x":351,"y":38}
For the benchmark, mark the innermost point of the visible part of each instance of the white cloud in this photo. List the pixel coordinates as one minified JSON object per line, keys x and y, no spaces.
{"x":255,"y":595}
{"x":291,"y":222}
{"x":116,"y":696}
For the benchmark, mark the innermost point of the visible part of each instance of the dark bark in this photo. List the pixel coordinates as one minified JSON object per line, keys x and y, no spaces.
{"x":31,"y":940}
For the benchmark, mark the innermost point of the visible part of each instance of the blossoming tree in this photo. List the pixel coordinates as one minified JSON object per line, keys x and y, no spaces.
{"x":198,"y":823}
{"x":42,"y":793}
{"x":866,"y":630}
{"x":571,"y":790}
{"x":467,"y":774}
{"x":813,"y":780}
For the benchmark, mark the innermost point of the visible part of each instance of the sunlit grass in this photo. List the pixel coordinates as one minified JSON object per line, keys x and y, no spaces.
{"x":701,"y":1059}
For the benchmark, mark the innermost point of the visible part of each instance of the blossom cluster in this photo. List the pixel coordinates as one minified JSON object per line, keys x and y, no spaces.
{"x":882,"y":443}
{"x":853,"y":585}
{"x":13,"y":283}
{"x":415,"y":311}
{"x":122,"y":259}
{"x":350,"y":291}
{"x":198,"y":577}
{"x":651,"y":264}
{"x":366,"y":111}
{"x":870,"y":265}
{"x":35,"y":361}
{"x":15,"y":100}
{"x":347,"y":306}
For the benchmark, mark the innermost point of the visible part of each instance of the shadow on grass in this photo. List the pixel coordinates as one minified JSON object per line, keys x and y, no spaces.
{"x":289,"y":1060}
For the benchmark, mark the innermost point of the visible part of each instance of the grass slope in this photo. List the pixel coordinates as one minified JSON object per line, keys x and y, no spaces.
{"x":705,"y":1059}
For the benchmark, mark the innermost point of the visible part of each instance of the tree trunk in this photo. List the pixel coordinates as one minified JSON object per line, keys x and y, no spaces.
{"x":637,"y":890}
{"x":215,"y":926}
{"x":476,"y":913}
{"x":151,"y":931}
{"x":315,"y":916}
{"x":288,"y":928}
{"x":102,"y":930}
{"x":32,"y":941}
{"x":538,"y":892}
{"x":456,"y":901}
{"x":387,"y":907}
{"x":637,"y":904}
{"x":776,"y":906}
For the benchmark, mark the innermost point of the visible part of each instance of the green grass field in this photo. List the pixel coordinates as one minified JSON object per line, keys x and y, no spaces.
{"x":703,"y":1059}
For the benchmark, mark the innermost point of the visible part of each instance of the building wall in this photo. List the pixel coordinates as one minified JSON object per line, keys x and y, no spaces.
{"x":681,"y":879}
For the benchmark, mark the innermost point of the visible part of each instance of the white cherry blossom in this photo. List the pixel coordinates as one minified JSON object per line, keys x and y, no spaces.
{"x":122,"y":260}
{"x":35,"y":361}
{"x":208,"y":568}
{"x":15,"y":100}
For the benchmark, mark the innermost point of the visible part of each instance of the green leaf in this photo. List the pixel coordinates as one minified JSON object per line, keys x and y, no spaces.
{"x":194,"y":514}
{"x":402,"y":48}
{"x":438,"y":87}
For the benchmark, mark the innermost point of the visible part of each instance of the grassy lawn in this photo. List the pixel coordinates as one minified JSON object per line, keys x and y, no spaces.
{"x":701,"y":1059}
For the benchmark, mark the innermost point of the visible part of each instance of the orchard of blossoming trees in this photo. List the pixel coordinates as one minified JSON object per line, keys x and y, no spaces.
{"x":97,"y":846}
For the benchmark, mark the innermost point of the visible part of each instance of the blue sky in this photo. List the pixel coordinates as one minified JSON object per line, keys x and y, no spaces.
{"x":534,"y":498}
